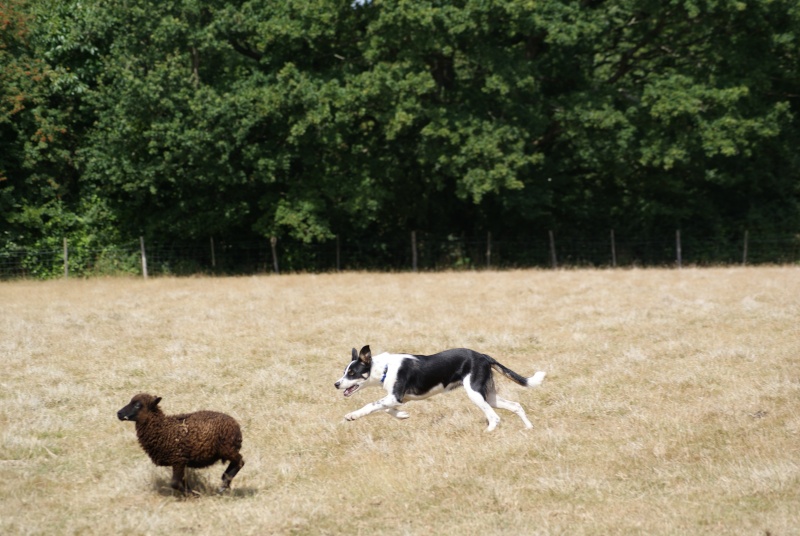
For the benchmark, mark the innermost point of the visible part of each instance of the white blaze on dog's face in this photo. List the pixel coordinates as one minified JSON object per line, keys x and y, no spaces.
{"x":357,"y":372}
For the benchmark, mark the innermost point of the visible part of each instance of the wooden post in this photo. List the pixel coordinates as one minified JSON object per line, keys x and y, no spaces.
{"x":488,"y":250}
{"x":553,"y":250}
{"x":273,"y":242}
{"x":744,"y":252}
{"x":679,"y":258}
{"x":66,"y":260}
{"x":338,"y":254}
{"x":213,"y":257}
{"x":613,"y":250}
{"x":413,"y":251}
{"x":144,"y":257}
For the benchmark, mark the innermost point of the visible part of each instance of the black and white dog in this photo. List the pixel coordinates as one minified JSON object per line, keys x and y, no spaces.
{"x":415,"y":377}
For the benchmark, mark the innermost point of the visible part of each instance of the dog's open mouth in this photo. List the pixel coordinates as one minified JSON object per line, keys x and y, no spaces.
{"x":350,"y":390}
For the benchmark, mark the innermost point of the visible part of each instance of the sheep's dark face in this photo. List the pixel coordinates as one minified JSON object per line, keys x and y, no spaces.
{"x":137,"y":403}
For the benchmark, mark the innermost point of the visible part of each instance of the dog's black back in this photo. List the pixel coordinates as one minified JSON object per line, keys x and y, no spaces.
{"x":425,"y":373}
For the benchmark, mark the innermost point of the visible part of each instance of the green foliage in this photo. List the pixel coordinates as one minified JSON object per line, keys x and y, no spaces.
{"x":312,"y":119}
{"x":90,"y":236}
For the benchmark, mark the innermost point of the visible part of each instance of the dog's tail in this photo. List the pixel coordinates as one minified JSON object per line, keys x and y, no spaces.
{"x":533,"y":381}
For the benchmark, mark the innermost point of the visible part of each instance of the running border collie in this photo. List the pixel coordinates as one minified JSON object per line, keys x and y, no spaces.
{"x":416,"y":377}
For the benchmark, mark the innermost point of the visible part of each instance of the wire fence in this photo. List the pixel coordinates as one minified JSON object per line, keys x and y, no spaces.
{"x":417,"y":251}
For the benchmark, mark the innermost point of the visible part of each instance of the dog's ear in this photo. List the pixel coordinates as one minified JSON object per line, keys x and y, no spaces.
{"x":365,"y":356}
{"x":355,"y":354}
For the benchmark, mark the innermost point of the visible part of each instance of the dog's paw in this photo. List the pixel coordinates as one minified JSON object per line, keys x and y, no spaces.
{"x":350,"y":417}
{"x":397,"y":414}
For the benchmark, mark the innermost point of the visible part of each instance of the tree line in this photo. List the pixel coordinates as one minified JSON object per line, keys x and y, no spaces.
{"x":307,"y":120}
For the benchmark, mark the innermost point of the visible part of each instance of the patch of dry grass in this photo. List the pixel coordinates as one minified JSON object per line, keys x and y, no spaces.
{"x":672,"y":403}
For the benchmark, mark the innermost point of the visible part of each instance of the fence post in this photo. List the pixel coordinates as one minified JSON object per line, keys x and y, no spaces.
{"x":613,"y":250}
{"x":679,"y":258}
{"x":553,"y":250}
{"x":488,"y":250}
{"x":338,"y":254}
{"x":213,"y":257}
{"x":744,"y":252}
{"x":413,"y":251}
{"x":144,"y":257}
{"x":273,"y":242}
{"x":66,"y":260}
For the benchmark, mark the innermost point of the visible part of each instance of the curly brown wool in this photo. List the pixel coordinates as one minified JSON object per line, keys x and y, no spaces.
{"x":195,"y":440}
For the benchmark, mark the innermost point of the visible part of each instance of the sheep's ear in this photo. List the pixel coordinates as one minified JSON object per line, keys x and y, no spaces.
{"x":355,"y":354}
{"x":365,"y":356}
{"x":155,"y":402}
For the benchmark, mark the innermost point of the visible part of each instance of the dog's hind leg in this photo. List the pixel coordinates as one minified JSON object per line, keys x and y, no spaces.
{"x":397,"y":414}
{"x":478,"y":399}
{"x":501,"y":403}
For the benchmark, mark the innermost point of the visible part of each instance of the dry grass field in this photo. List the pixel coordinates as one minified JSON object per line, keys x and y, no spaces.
{"x":672,"y":403}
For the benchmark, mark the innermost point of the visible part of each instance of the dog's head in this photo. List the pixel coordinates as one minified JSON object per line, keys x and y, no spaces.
{"x":357,"y":372}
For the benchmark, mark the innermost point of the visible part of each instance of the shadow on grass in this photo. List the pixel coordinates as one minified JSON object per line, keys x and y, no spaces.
{"x":200,"y":487}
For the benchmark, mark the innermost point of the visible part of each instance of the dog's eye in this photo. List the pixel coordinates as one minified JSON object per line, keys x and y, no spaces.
{"x":351,"y":373}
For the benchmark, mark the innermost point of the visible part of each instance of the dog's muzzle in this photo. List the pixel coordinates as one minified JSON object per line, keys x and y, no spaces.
{"x":352,"y":389}
{"x":349,"y":390}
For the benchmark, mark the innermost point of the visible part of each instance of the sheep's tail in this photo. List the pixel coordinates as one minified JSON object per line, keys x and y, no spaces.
{"x":533,"y":381}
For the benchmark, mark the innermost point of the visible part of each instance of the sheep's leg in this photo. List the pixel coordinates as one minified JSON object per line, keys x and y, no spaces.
{"x":178,"y":479}
{"x":236,"y":463}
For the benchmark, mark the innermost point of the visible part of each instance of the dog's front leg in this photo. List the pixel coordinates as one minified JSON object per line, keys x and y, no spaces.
{"x":388,"y":403}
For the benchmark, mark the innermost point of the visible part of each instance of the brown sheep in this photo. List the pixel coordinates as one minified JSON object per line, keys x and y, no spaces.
{"x":195,"y":440}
